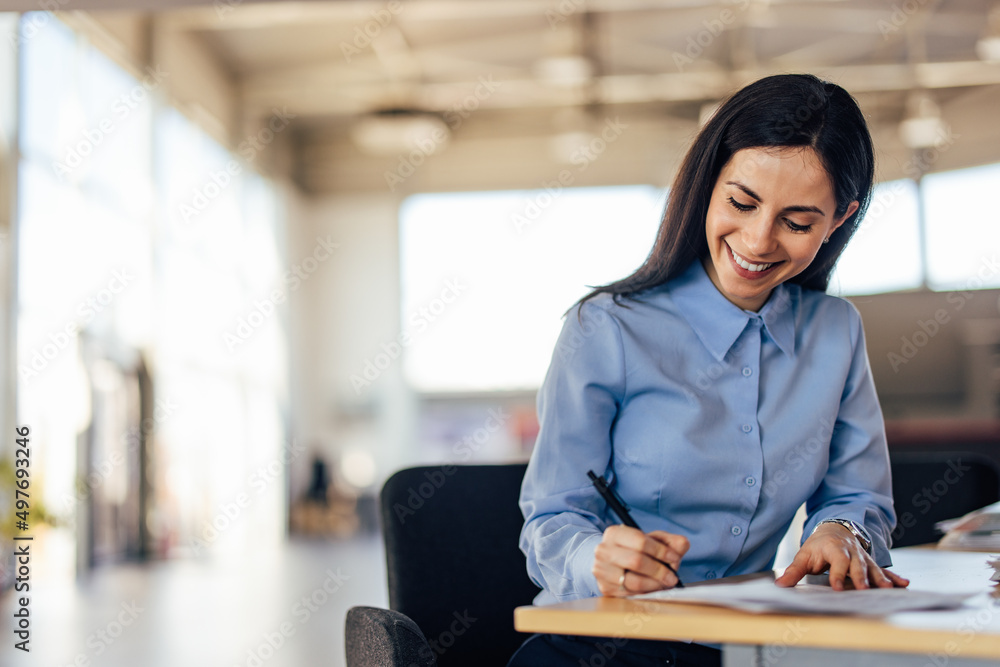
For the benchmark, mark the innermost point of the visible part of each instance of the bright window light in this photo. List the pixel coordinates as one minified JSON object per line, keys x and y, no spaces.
{"x":487,"y":276}
{"x":884,"y":254}
{"x":963,"y":228}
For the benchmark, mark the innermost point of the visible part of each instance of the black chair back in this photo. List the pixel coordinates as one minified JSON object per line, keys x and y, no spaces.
{"x":928,"y":487}
{"x":454,"y":566}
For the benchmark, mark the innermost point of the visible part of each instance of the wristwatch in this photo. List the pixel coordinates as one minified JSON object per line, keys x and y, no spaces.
{"x":856,"y":530}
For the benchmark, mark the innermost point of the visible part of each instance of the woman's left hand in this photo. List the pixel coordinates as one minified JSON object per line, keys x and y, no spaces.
{"x":835,"y":548}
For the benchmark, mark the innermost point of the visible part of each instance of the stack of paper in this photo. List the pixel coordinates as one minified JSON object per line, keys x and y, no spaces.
{"x":763,"y":595}
{"x":976,"y":531}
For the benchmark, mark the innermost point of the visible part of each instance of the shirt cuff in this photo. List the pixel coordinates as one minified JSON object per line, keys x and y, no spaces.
{"x":584,"y":582}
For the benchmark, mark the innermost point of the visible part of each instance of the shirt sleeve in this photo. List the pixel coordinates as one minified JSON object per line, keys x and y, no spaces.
{"x":857,"y":485}
{"x":577,"y":405}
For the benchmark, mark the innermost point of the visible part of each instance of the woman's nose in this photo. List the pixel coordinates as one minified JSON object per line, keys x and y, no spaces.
{"x":758,"y":236}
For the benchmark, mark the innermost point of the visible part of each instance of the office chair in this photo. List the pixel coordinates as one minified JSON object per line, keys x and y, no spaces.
{"x":454,"y":567}
{"x":928,"y":487}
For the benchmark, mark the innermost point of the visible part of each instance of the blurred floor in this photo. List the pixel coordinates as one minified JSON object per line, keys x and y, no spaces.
{"x":282,"y":608}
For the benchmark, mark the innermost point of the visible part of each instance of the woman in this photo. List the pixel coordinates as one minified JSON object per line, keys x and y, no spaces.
{"x":718,"y":387}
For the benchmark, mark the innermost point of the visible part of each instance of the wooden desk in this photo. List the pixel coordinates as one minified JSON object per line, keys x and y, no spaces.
{"x":965,"y":636}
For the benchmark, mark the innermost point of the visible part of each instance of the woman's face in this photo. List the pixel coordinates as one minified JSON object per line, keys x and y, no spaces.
{"x":770,"y":211}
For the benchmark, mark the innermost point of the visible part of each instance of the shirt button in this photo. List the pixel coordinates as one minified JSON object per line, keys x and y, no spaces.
{"x":737,"y":530}
{"x":747,"y":428}
{"x":710,"y":574}
{"x":747,"y":372}
{"x":751,"y":481}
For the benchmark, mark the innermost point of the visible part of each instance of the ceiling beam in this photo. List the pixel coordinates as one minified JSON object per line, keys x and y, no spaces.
{"x":320,"y":93}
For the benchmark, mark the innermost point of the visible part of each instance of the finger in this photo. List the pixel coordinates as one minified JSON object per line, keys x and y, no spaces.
{"x":643,"y":564}
{"x":659,"y":545}
{"x":838,"y":569}
{"x":624,"y":535}
{"x":859,"y":571}
{"x":611,"y":583}
{"x":877,"y":576}
{"x":626,"y":558}
{"x":678,"y":543}
{"x":664,"y":553}
{"x":793,"y":573}
{"x":636,"y":582}
{"x":654,"y":547}
{"x":898,"y":581}
{"x":608,"y":577}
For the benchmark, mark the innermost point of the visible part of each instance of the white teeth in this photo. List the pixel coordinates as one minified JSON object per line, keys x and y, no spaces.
{"x":747,"y":265}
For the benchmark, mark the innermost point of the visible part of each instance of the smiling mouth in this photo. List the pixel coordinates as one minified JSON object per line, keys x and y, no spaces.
{"x":747,"y":265}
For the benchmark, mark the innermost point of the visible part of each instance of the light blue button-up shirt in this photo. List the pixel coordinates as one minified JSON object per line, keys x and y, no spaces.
{"x":709,"y":421}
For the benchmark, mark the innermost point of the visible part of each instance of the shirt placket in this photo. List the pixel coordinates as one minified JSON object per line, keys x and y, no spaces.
{"x":751,"y":458}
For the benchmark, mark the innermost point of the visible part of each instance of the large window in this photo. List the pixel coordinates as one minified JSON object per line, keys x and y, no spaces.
{"x":884,"y":254}
{"x":963,"y":228}
{"x":110,"y":260}
{"x":486,"y":277}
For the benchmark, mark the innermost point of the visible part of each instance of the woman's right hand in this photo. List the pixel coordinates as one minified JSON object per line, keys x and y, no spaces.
{"x":641,"y":557}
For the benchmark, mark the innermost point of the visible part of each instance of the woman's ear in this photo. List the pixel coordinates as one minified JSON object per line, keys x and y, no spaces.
{"x":851,"y":208}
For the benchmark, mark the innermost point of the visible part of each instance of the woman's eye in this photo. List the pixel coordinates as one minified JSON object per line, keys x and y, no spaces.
{"x":740,"y":207}
{"x":797,"y":228}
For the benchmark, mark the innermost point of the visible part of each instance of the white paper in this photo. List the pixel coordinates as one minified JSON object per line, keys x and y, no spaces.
{"x":764,"y":596}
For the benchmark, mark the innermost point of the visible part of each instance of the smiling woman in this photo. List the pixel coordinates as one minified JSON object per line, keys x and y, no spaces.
{"x":691,"y":384}
{"x":757,"y":245}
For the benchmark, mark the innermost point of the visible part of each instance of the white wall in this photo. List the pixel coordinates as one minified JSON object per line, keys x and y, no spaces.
{"x":342,"y":316}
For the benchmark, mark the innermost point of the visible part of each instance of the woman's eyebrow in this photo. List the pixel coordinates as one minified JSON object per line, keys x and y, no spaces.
{"x":795,"y":209}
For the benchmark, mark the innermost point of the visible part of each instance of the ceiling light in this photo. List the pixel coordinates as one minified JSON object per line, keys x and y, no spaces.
{"x":397,"y":131}
{"x":564,"y":71}
{"x":988,"y":46}
{"x":922,"y":127}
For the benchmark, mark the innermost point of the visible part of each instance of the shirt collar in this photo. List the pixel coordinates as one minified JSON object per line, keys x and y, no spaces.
{"x":719,"y":323}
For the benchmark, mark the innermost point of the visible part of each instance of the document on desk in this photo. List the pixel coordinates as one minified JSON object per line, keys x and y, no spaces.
{"x":762,"y":595}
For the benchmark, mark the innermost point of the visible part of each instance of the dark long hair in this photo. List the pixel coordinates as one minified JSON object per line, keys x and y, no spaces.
{"x":776,"y":111}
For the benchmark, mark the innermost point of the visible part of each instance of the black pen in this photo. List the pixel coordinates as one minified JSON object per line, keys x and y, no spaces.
{"x":618,"y":507}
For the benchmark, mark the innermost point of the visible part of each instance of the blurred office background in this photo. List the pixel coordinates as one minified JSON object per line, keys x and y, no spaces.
{"x":258,"y":256}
